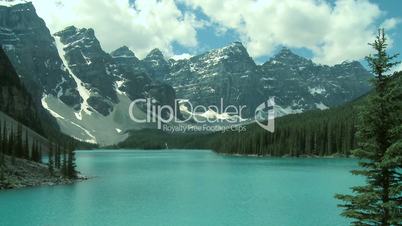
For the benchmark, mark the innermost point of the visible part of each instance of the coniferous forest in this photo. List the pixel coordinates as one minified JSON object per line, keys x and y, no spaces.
{"x":320,"y":133}
{"x":17,"y":144}
{"x":313,"y":133}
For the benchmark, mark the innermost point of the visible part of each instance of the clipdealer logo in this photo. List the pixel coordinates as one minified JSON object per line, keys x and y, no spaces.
{"x":224,"y":118}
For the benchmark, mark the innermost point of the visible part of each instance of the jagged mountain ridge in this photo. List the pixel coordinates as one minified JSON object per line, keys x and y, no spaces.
{"x":89,"y":90}
{"x":297,"y":83}
{"x":301,"y":84}
{"x":228,"y":73}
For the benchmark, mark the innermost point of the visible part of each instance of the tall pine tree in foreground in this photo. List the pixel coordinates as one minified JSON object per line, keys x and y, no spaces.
{"x":379,"y":201}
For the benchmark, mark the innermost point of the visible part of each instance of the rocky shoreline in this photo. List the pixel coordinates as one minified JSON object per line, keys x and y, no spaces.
{"x":26,"y":173}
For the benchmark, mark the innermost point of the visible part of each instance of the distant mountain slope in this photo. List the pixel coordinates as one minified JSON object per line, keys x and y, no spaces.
{"x":230,"y":73}
{"x":315,"y":132}
{"x":300,"y":84}
{"x":312,"y":133}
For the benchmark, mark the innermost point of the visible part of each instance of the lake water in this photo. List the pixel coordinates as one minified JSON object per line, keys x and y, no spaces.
{"x":187,"y":188}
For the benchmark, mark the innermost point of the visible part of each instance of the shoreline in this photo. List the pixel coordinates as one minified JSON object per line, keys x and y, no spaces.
{"x":26,"y":174}
{"x":289,"y":156}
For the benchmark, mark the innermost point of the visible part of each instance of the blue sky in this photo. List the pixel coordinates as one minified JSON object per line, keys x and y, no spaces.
{"x":327,"y":31}
{"x":210,"y":39}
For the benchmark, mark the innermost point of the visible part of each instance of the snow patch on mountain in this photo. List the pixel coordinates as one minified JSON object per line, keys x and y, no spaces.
{"x":82,"y":90}
{"x":46,"y":106}
{"x":96,"y":128}
{"x":316,"y":90}
{"x":321,"y":106}
{"x":9,"y":3}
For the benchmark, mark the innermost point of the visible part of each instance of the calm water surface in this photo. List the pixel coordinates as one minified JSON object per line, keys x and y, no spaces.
{"x":187,"y":188}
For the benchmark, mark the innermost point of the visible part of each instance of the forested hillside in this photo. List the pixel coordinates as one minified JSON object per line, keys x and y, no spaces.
{"x":317,"y":132}
{"x":14,"y":98}
{"x":312,"y":133}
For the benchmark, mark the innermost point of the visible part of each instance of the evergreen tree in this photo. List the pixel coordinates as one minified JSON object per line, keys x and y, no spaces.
{"x":11,"y":146}
{"x":33,"y":151}
{"x":379,"y":201}
{"x":50,"y":158}
{"x":2,"y":154}
{"x":71,"y":171}
{"x":19,"y":149}
{"x":39,"y":151}
{"x":26,"y":146}
{"x":4,"y":138}
{"x":1,"y":138}
{"x":57,"y":159}
{"x":65,"y":163}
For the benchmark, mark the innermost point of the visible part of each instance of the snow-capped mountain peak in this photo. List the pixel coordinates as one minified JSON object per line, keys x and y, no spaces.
{"x":9,"y":3}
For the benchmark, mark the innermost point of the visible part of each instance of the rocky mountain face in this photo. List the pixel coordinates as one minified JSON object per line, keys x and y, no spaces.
{"x":85,"y":89}
{"x":31,"y":49}
{"x":135,"y":81}
{"x":104,"y":75}
{"x":297,"y":83}
{"x":227,"y":74}
{"x":15,"y":100}
{"x":156,"y":64}
{"x":90,"y":66}
{"x":88,"y":90}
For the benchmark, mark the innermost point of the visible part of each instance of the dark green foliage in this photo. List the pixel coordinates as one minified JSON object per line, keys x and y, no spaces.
{"x":310,"y":133}
{"x":4,"y":138}
{"x":11,"y":146}
{"x":36,"y":153}
{"x":15,"y":100}
{"x":50,"y":162}
{"x":2,"y":154}
{"x":39,"y":152}
{"x":379,"y":201}
{"x":26,"y":146}
{"x":19,"y":152}
{"x":57,"y":159}
{"x":71,"y":171}
{"x":64,"y":168}
{"x":61,"y":159}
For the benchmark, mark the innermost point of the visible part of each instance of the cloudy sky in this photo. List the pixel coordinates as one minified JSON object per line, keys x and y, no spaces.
{"x":328,"y":31}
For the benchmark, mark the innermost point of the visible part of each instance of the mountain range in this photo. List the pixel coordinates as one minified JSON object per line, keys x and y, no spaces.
{"x":88,"y":90}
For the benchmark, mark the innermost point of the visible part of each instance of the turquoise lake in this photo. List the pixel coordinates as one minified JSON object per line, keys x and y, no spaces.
{"x":186,"y":188}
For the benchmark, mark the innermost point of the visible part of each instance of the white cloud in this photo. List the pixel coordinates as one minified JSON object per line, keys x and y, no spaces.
{"x":391,"y":23}
{"x":147,"y":25}
{"x":333,"y":32}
